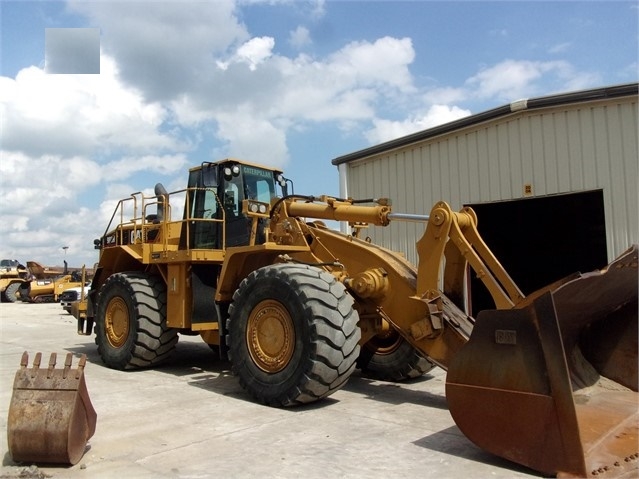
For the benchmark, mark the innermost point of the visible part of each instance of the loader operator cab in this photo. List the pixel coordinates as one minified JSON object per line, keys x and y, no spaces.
{"x":214,"y":209}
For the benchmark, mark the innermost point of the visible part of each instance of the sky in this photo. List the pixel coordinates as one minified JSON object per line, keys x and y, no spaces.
{"x":99,"y":99}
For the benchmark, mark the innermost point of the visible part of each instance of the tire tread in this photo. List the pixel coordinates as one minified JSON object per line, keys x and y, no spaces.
{"x":333,"y":330}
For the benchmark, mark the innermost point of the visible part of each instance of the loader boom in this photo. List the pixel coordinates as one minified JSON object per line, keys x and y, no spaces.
{"x":410,"y":299}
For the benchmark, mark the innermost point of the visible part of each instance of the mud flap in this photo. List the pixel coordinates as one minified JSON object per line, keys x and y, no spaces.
{"x":51,"y":417}
{"x":552,"y":384}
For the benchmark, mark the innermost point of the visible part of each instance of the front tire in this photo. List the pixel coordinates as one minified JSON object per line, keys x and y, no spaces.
{"x":130,"y":324}
{"x":292,"y":334}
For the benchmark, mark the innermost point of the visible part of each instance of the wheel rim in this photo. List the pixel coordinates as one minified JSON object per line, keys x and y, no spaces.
{"x":117,"y":322}
{"x":385,"y":343}
{"x":270,"y":336}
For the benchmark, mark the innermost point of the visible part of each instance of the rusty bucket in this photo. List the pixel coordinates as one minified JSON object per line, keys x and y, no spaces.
{"x":51,"y":417}
{"x":552,"y":384}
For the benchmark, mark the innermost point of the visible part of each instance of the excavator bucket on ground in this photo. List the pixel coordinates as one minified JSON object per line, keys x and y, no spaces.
{"x":51,"y":417}
{"x":552,"y":383}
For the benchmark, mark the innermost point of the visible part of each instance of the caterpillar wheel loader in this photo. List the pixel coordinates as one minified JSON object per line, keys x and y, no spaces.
{"x":547,"y":380}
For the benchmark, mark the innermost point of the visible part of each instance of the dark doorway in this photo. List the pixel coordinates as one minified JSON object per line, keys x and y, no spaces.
{"x":543,"y":239}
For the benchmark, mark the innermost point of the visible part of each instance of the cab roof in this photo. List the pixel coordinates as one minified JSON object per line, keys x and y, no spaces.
{"x":237,"y":160}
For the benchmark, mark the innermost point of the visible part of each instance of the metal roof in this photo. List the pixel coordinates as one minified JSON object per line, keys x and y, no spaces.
{"x":520,"y":105}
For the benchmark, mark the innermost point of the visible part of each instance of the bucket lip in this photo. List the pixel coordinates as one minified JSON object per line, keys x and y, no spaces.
{"x":597,"y":294}
{"x":613,"y":449}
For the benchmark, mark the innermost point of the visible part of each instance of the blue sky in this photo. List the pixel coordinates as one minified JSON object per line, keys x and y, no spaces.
{"x":292,"y":84}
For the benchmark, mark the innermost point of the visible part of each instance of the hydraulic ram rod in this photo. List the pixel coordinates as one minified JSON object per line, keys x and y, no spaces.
{"x":408,"y":217}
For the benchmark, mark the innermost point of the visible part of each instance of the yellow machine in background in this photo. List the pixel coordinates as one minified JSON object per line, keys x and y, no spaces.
{"x":547,"y":380}
{"x":46,"y":285}
{"x":34,"y":282}
{"x":12,"y":274}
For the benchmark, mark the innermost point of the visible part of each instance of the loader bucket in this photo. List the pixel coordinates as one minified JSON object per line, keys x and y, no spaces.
{"x":552,"y":383}
{"x":50,"y":416}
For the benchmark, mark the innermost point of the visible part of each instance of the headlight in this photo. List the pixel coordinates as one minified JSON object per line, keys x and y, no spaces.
{"x":257,"y":208}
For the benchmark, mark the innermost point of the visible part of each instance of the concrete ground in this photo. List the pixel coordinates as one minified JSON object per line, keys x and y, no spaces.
{"x":191,"y":419}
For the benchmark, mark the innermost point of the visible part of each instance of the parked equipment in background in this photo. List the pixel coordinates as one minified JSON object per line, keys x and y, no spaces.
{"x":47,"y":288}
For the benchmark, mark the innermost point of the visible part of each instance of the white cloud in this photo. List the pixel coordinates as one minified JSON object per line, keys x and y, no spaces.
{"x":384,"y":61}
{"x":41,"y":209}
{"x":348,"y":84}
{"x":513,"y":79}
{"x":32,"y":183}
{"x":159,"y":164}
{"x":256,"y":51}
{"x":300,"y":37}
{"x":78,"y":114}
{"x":253,"y":53}
{"x":386,"y":130}
{"x":322,"y":91}
{"x":253,"y":138}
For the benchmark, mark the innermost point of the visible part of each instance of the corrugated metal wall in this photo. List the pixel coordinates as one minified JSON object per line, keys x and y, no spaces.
{"x":563,"y":149}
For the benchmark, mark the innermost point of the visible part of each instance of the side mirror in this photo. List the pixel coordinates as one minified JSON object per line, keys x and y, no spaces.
{"x":209,"y":175}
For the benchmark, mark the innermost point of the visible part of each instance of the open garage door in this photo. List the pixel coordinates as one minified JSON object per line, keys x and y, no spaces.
{"x":542,"y":239}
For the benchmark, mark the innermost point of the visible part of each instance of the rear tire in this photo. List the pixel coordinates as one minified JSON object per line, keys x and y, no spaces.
{"x":10,"y":292}
{"x":292,"y":334}
{"x":391,"y":358}
{"x":130,"y":322}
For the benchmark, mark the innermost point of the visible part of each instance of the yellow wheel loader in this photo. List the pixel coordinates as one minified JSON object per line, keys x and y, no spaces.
{"x":547,"y":380}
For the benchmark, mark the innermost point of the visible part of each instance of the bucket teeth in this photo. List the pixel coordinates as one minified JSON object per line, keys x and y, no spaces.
{"x":24,"y":361}
{"x":52,"y":361}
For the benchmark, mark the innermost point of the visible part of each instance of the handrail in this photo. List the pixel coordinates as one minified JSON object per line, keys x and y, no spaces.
{"x":136,"y":229}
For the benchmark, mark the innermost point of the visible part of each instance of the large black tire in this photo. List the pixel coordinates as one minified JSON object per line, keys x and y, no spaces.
{"x":390,"y":357}
{"x":130,"y":321}
{"x":10,"y":292}
{"x":292,"y":334}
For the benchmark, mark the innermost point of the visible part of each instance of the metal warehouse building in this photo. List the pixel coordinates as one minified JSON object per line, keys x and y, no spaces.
{"x":553,"y":180}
